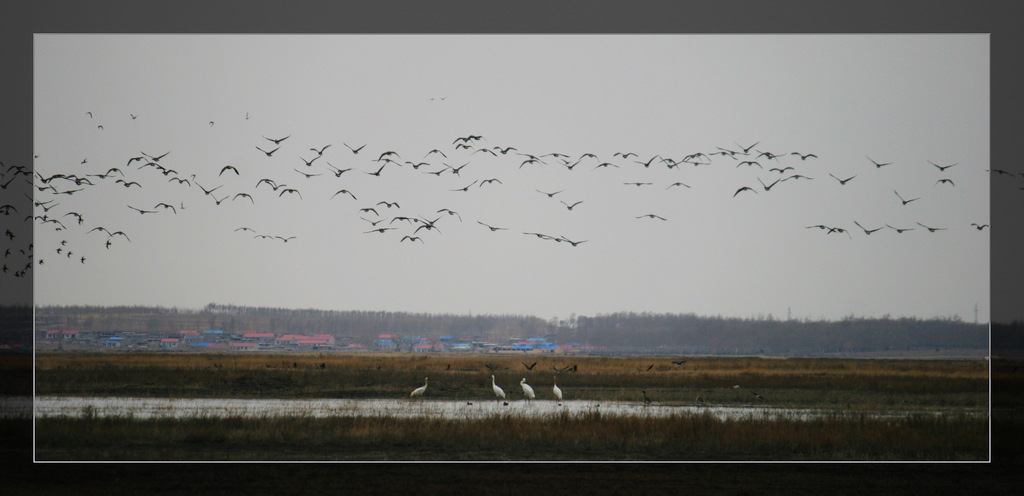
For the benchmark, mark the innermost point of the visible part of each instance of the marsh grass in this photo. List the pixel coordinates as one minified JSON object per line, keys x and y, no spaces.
{"x":591,"y":435}
{"x":793,"y":383}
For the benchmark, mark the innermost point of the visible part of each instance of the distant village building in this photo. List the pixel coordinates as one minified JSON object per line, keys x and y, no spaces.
{"x":243,"y":346}
{"x":169,"y":343}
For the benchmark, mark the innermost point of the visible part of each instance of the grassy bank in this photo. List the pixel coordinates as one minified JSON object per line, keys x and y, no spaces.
{"x":590,"y":436}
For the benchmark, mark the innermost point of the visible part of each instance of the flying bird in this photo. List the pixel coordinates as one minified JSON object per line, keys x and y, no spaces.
{"x":550,"y":195}
{"x":270,"y":153}
{"x":653,"y":216}
{"x":411,"y":238}
{"x":745,"y":188}
{"x":570,"y":207}
{"x":843,"y":181}
{"x":278,"y":141}
{"x":980,"y":227}
{"x":950,"y":181}
{"x":344,"y":191}
{"x":866,"y":230}
{"x":878,"y":165}
{"x":492,"y":228}
{"x":898,"y":230}
{"x":804,"y":157}
{"x":932,"y":229}
{"x":905,"y":201}
{"x":320,"y":151}
{"x":354,"y":150}
{"x":941,"y":168}
{"x":678,"y":184}
{"x":228,"y":167}
{"x":290,"y":190}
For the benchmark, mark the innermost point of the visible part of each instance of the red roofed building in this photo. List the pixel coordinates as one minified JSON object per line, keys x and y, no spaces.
{"x":169,"y":343}
{"x":422,"y":347}
{"x":258,"y":336}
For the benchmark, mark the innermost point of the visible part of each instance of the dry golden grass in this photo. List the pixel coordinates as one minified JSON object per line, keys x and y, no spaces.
{"x":824,"y":383}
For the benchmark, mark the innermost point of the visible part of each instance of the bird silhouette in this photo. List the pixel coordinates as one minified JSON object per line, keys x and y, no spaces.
{"x":529,"y":367}
{"x":932,"y":229}
{"x":278,"y":141}
{"x":492,"y":228}
{"x":804,"y":157}
{"x":570,"y":207}
{"x":637,"y":184}
{"x":450,"y":212}
{"x":338,"y":172}
{"x":678,"y":184}
{"x":652,"y":216}
{"x":749,"y":162}
{"x":143,"y":212}
{"x":898,"y":230}
{"x":878,"y":165}
{"x":646,"y":400}
{"x":307,"y":174}
{"x":950,"y":181}
{"x":244,"y":195}
{"x":866,"y":230}
{"x":980,"y":226}
{"x":166,"y":206}
{"x":344,"y":191}
{"x":412,"y":238}
{"x":466,"y":188}
{"x":768,"y":187}
{"x":550,"y":195}
{"x":289,"y":190}
{"x":941,"y":168}
{"x":843,"y":181}
{"x":271,"y":152}
{"x":905,"y":201}
{"x":228,"y":167}
{"x":745,"y":188}
{"x":320,"y":151}
{"x":354,"y":150}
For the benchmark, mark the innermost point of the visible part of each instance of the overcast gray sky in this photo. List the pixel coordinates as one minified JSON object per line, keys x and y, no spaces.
{"x":904,"y":100}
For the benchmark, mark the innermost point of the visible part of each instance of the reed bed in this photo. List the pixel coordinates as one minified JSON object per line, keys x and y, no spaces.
{"x":558,"y":436}
{"x":793,"y":383}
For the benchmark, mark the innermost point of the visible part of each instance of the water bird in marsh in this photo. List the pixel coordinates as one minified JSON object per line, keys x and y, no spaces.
{"x":420,"y":390}
{"x":527,"y":390}
{"x":647,"y":401}
{"x":557,"y":391}
{"x":498,"y":392}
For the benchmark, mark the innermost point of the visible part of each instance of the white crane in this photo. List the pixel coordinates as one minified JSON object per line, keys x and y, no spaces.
{"x":420,"y":390}
{"x":558,"y":392}
{"x":527,"y":390}
{"x":498,"y":392}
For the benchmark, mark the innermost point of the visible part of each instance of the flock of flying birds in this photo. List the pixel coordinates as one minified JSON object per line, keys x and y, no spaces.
{"x":471,"y":162}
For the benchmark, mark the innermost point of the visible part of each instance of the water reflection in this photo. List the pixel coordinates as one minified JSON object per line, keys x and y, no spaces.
{"x":143,"y":408}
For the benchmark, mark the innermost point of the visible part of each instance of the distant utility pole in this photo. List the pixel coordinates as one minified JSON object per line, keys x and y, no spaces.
{"x":975,"y":313}
{"x":789,"y":314}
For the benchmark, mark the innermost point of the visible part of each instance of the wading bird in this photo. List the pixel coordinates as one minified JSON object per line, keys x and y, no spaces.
{"x":647,"y":401}
{"x":556,"y":390}
{"x":498,"y":392}
{"x":527,"y":390}
{"x":420,"y":390}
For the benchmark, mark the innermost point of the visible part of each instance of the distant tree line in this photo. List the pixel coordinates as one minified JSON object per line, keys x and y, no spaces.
{"x":617,"y":332}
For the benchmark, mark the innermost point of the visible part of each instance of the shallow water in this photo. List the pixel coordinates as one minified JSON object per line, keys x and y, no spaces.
{"x":143,"y":408}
